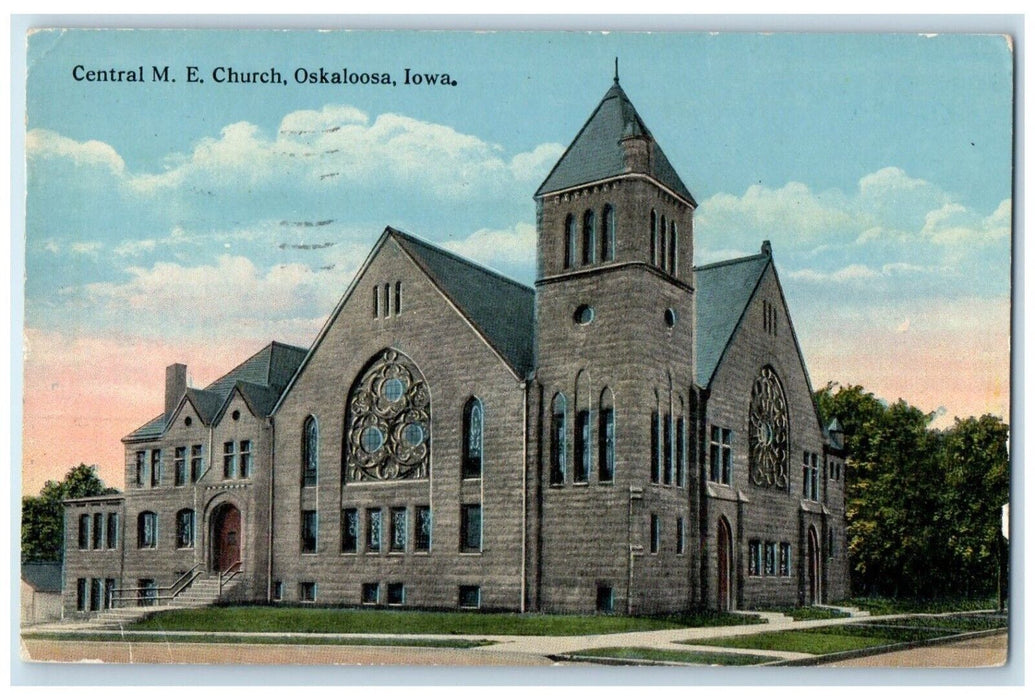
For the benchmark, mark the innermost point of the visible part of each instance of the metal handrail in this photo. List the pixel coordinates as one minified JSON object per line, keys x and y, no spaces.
{"x":190,"y":575}
{"x":224,"y":578}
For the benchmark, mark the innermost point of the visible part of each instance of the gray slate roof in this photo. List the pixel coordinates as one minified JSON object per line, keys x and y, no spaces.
{"x":723,"y":292}
{"x":597,"y":152}
{"x":261,"y":379}
{"x":44,"y":577}
{"x":501,"y":309}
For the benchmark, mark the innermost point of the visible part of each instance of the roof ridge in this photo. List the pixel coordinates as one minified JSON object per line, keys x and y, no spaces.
{"x":731,"y":261}
{"x":459,"y":258}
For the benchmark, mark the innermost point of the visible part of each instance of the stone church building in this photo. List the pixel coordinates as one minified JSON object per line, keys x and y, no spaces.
{"x":634,"y":434}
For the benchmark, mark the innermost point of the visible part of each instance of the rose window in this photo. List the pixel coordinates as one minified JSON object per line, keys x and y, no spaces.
{"x":389,"y":422}
{"x":767,"y":431}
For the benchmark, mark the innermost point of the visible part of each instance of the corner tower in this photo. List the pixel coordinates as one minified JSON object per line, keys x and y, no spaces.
{"x":614,"y":363}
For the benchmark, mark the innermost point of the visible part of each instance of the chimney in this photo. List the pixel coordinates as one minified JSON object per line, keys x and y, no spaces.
{"x":175,"y":386}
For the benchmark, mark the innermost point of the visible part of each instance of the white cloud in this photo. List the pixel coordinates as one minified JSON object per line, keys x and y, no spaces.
{"x":178,"y":295}
{"x":856,"y":273}
{"x":507,"y":248}
{"x":792,"y":210}
{"x":43,"y":143}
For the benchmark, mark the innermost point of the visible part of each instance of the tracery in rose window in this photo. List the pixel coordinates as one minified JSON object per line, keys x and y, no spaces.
{"x":767,"y":431}
{"x":388,"y":431}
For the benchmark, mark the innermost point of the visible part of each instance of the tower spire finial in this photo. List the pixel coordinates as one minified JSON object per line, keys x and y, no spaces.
{"x":616,"y":70}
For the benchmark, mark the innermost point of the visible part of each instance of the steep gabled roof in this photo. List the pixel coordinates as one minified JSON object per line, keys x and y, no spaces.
{"x":265,"y":373}
{"x":502,"y":310}
{"x":597,"y":152}
{"x":723,"y":292}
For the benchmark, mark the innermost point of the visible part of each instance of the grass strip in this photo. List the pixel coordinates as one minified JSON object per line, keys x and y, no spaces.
{"x":804,"y":641}
{"x":949,"y":623}
{"x":892,"y":606}
{"x":291,"y":619}
{"x":703,"y":658}
{"x":243,"y":639}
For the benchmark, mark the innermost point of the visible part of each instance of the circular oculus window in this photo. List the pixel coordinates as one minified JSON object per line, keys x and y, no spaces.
{"x":584,"y":314}
{"x":670,"y":317}
{"x":235,"y":415}
{"x":187,"y":420}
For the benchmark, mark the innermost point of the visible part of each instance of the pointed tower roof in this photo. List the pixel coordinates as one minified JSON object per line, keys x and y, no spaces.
{"x":597,"y":152}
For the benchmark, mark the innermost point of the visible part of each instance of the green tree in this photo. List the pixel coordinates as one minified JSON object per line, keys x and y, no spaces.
{"x":977,"y":479}
{"x":43,"y":515}
{"x":922,"y":505}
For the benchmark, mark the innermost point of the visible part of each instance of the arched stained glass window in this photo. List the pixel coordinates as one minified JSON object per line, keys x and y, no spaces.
{"x":310,"y":452}
{"x":388,"y":427}
{"x":607,"y":253}
{"x":663,"y":244}
{"x":569,"y":241}
{"x":653,"y":237}
{"x":558,"y":439}
{"x":768,"y":428}
{"x":472,"y":447}
{"x":606,"y":436}
{"x":589,"y":238}
{"x":672,"y":248}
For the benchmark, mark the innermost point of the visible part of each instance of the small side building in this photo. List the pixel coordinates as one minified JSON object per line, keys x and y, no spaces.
{"x":41,"y":592}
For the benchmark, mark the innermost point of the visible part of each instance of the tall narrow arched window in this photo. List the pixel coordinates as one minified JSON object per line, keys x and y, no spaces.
{"x":310,"y":452}
{"x":569,"y":241}
{"x":583,"y":437}
{"x":589,"y":237}
{"x":185,"y":529}
{"x":147,"y":530}
{"x":558,"y":439}
{"x":472,"y":447}
{"x":663,"y":244}
{"x":606,"y":437}
{"x":607,"y":251}
{"x":653,"y":237}
{"x":672,"y":247}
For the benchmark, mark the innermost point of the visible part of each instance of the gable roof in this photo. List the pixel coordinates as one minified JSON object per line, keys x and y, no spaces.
{"x":723,"y":292}
{"x":597,"y":152}
{"x":44,"y":577}
{"x":502,"y":310}
{"x":265,"y":373}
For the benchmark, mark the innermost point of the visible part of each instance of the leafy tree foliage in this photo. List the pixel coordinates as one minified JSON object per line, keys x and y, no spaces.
{"x":43,"y":515}
{"x":923,"y":505}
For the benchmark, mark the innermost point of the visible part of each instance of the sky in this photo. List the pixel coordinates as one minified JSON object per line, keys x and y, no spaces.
{"x":196,"y":221}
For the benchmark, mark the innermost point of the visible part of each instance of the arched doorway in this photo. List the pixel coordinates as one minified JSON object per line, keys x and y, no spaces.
{"x":226,"y":537}
{"x":812,"y":574}
{"x":724,"y":565}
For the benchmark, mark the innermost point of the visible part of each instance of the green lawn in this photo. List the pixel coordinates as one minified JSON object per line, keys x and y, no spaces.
{"x":241,"y":639}
{"x":256,"y":618}
{"x":948,"y":623}
{"x":892,"y":606}
{"x":805,"y":641}
{"x":827,"y":640}
{"x":703,"y":658}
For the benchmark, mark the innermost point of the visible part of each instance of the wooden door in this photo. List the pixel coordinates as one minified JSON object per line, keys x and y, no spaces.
{"x":226,"y":538}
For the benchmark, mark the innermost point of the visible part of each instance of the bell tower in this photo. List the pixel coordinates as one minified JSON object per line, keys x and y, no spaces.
{"x":614,"y":362}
